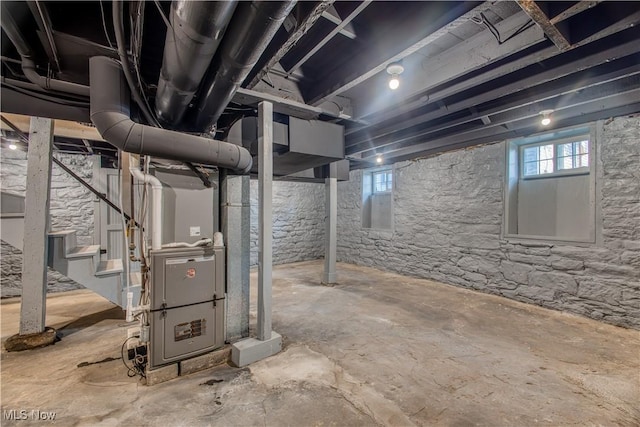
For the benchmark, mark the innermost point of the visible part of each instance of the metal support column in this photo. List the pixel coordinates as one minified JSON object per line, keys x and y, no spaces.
{"x":36,"y":220}
{"x":265,"y":217}
{"x":268,"y":342}
{"x":331,"y":217}
{"x":236,"y":226}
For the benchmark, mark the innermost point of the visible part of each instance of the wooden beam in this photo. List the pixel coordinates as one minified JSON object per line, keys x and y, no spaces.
{"x":467,"y":56}
{"x":366,"y":66}
{"x":573,"y":10}
{"x":62,"y":128}
{"x":331,"y":15}
{"x":87,"y":145}
{"x":331,"y":35}
{"x":532,"y":9}
{"x":294,"y":37}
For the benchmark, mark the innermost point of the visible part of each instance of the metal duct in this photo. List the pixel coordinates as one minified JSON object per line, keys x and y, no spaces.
{"x":194,"y":36}
{"x":110,"y":114}
{"x":247,"y":38}
{"x":28,"y":66}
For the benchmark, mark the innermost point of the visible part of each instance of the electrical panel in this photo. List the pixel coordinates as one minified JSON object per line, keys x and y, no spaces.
{"x":187,"y":303}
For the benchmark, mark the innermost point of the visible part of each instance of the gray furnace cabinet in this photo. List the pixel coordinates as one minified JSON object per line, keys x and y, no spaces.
{"x":187,"y":303}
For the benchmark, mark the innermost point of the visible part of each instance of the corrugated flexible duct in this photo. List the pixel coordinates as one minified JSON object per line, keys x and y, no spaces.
{"x":190,"y":44}
{"x":110,"y":114}
{"x":250,"y":32}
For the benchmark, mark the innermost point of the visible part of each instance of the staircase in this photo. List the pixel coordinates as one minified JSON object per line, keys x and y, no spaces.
{"x":83,"y":265}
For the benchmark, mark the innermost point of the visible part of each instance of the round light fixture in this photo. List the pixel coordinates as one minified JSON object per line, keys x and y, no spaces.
{"x":379,"y":159}
{"x":12,"y":146}
{"x":546,"y":119}
{"x":394,"y":69}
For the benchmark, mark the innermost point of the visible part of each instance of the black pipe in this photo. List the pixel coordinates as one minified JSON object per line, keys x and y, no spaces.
{"x":190,"y":44}
{"x":12,"y":31}
{"x":118,"y":27}
{"x":110,"y":114}
{"x":249,"y":34}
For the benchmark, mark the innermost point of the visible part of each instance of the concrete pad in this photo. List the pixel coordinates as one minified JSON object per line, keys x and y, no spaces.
{"x":206,"y":361}
{"x":162,"y":374}
{"x":251,"y":350}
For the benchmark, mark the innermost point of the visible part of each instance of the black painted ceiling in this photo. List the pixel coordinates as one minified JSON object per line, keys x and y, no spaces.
{"x":475,"y":72}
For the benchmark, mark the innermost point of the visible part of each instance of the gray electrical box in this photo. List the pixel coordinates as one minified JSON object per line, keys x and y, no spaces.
{"x":187,"y":303}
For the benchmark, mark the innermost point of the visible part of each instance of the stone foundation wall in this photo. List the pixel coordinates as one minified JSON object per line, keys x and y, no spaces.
{"x":298,"y":216}
{"x":71,"y":206}
{"x":447,"y":226}
{"x":298,"y":221}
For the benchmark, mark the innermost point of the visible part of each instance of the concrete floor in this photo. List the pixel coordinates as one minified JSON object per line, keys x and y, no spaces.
{"x":379,"y":348}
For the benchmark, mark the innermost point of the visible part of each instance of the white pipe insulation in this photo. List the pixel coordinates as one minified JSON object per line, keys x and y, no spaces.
{"x":156,"y":209}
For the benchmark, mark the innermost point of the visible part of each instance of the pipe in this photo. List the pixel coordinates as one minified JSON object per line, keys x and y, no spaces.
{"x":201,"y":242}
{"x":118,"y":28}
{"x":248,"y":36}
{"x":191,"y":41}
{"x":28,"y":66}
{"x":156,"y":209}
{"x":110,"y":114}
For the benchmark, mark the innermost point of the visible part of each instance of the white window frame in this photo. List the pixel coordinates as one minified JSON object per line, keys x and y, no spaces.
{"x":367,"y":187}
{"x":388,"y":184}
{"x":556,"y":172}
{"x":593,"y":133}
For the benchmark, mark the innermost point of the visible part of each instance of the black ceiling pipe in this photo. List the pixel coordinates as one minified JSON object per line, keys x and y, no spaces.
{"x":190,"y":44}
{"x":28,"y":66}
{"x":249,"y":34}
{"x":110,"y":115}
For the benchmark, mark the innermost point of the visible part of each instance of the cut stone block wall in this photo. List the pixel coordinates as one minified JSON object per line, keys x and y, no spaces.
{"x":298,"y":221}
{"x":448,"y":213}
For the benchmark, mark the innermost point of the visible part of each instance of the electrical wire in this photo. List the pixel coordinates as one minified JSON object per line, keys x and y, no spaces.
{"x":118,"y":24}
{"x":136,"y":40}
{"x":139,"y":363}
{"x":164,"y":18}
{"x":104,"y":25}
{"x":482,"y":20}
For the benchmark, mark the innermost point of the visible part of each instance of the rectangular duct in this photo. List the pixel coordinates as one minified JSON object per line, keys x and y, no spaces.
{"x":298,"y":144}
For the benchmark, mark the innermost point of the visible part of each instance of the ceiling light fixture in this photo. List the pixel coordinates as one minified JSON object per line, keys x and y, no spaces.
{"x":546,"y":120}
{"x":379,"y":159}
{"x":394,"y":69}
{"x":12,"y":146}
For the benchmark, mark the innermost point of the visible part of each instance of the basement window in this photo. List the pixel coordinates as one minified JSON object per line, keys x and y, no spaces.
{"x":550,"y":188}
{"x":377,"y":199}
{"x":382,"y":181}
{"x":555,"y":158}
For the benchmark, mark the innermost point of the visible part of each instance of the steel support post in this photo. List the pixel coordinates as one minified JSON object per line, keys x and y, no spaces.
{"x":331,"y":217}
{"x":236,"y":225}
{"x":265,"y":217}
